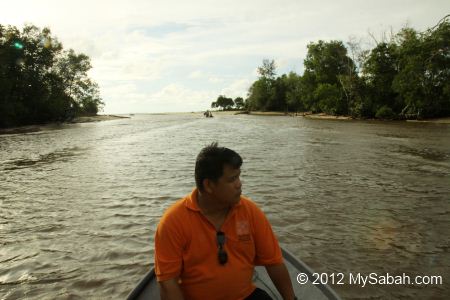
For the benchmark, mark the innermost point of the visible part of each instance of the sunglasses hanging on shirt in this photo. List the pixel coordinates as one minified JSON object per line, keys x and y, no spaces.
{"x":222,"y":254}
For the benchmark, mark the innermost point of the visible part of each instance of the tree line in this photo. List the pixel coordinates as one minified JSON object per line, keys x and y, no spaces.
{"x":40,"y":82}
{"x":228,"y":103}
{"x":403,"y":77}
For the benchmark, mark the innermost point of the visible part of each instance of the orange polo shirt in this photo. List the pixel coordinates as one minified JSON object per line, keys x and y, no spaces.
{"x":186,"y":248}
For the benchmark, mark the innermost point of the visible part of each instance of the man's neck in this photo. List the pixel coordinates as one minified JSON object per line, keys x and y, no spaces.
{"x":208,"y":206}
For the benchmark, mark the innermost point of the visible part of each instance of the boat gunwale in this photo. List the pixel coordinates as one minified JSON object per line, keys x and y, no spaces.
{"x":287,"y":255}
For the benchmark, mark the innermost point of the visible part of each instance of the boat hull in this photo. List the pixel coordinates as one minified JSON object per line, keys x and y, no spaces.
{"x":148,"y":286}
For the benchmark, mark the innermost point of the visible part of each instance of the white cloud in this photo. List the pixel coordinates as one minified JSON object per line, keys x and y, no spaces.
{"x":129,"y":91}
{"x":123,"y":98}
{"x":178,"y":55}
{"x":215,"y":80}
{"x":176,"y":96}
{"x":196,"y":74}
{"x":237,"y":88}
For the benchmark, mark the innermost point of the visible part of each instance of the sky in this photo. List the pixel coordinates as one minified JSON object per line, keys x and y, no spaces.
{"x":153,"y":56}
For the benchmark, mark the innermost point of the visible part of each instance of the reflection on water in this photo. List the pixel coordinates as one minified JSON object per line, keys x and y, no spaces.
{"x":426,"y":153}
{"x":79,"y":204}
{"x":62,"y":155}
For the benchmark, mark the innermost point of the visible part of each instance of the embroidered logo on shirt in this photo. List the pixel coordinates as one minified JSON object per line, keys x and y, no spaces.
{"x":244,"y":237}
{"x":243,"y":230}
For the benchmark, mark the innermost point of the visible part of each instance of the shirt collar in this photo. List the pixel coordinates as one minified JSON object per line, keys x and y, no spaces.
{"x":191,"y":201}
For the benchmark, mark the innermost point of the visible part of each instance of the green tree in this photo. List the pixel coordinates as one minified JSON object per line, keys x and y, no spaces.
{"x":328,"y":63}
{"x":278,"y":101}
{"x":224,"y":102}
{"x":38,"y":82}
{"x":294,"y":92}
{"x":406,"y":76}
{"x":379,"y":71}
{"x":11,"y":64}
{"x":268,"y":69}
{"x":308,"y":85}
{"x":88,"y":94}
{"x":26,"y":59}
{"x":327,"y":60}
{"x":386,"y":113}
{"x":423,"y":80}
{"x":261,"y":95}
{"x":329,"y":98}
{"x":239,"y":103}
{"x":73,"y":68}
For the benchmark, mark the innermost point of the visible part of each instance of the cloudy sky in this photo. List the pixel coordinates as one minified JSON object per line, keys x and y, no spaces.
{"x":174,"y":56}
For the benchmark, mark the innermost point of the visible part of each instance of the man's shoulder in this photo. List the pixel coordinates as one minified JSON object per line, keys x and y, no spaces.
{"x":177,"y":206}
{"x":176,"y":210}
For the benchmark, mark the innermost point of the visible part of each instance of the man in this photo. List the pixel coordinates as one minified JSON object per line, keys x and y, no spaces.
{"x":208,"y":243}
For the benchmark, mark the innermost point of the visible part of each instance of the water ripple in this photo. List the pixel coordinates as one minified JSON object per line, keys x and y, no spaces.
{"x":79,"y":206}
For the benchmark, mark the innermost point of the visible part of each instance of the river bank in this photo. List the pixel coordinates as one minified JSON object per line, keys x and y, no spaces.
{"x":437,"y":121}
{"x":321,"y":116}
{"x":50,"y":126}
{"x":280,"y":114}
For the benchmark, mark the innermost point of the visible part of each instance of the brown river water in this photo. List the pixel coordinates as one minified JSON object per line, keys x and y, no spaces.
{"x":79,"y":204}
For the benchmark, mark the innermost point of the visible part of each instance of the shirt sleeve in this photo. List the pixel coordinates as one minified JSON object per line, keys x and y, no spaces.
{"x":169,"y":244}
{"x":268,"y":251}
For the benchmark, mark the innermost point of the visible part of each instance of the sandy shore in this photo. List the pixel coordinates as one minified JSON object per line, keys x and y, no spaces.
{"x":97,"y":118}
{"x":329,"y":117}
{"x":290,"y":114}
{"x":436,"y":121}
{"x":242,"y":112}
{"x":50,"y":126}
{"x":321,"y":116}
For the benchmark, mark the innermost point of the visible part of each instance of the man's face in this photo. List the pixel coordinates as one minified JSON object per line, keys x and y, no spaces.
{"x":228,"y":188}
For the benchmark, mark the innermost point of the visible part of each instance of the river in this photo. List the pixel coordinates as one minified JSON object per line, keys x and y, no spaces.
{"x":79,"y":204}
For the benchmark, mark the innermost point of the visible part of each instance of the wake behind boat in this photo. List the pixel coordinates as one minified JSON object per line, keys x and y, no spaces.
{"x":148,"y":286}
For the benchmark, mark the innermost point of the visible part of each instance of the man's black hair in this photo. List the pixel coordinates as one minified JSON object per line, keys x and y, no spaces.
{"x":211,"y":161}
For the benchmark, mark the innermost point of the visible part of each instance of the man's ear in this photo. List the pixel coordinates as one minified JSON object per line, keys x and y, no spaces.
{"x":208,"y":185}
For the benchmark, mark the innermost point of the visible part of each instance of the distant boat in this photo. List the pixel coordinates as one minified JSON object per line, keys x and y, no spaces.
{"x":208,"y":114}
{"x":148,"y":286}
